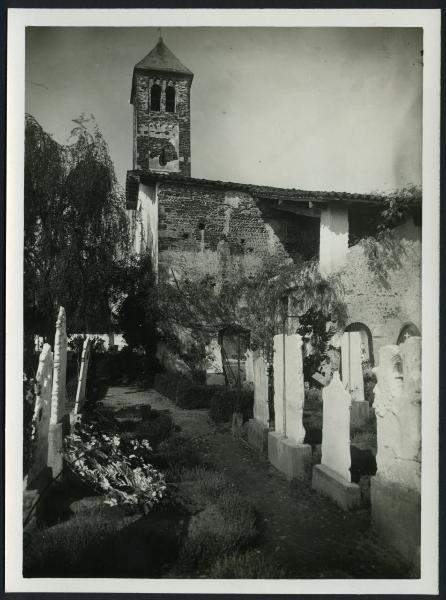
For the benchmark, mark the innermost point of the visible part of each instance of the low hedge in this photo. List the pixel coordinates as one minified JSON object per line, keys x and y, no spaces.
{"x":224,"y":403}
{"x":184,"y":392}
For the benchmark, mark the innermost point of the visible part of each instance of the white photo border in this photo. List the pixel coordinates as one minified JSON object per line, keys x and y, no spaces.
{"x":18,"y":20}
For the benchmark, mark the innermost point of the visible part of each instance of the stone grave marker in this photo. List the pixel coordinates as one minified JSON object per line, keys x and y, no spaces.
{"x":332,"y":477}
{"x":82,"y":383}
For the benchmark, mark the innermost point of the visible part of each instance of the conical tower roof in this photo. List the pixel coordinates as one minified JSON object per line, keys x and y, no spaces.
{"x":160,"y":58}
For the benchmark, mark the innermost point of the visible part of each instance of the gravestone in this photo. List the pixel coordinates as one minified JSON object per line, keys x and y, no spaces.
{"x":214,"y":364}
{"x":249,"y":367}
{"x":353,"y":377}
{"x":286,"y":450}
{"x":332,"y":477}
{"x":59,"y":414}
{"x":396,"y":487}
{"x":42,"y":413}
{"x":258,"y":427}
{"x":82,"y":383}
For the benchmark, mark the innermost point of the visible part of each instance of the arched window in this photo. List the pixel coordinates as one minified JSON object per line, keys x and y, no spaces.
{"x":155,"y":97}
{"x":366,"y":341}
{"x":170,"y":98}
{"x":409,"y":330}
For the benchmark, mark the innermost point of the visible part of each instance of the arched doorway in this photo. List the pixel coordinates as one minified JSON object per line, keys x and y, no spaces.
{"x":407,"y":331}
{"x":366,"y":342}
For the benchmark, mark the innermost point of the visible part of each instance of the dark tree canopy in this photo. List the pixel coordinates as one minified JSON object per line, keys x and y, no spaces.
{"x":75,"y":229}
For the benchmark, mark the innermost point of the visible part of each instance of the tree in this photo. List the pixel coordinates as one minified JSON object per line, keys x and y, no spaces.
{"x":75,"y":229}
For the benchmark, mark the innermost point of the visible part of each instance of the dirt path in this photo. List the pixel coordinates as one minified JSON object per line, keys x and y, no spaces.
{"x":308,"y":536}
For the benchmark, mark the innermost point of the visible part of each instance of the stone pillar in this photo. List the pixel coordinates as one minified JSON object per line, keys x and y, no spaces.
{"x":82,"y":382}
{"x":286,"y":450}
{"x":258,"y":427}
{"x":333,"y":239}
{"x":396,"y":487}
{"x":249,"y":367}
{"x":352,"y":376}
{"x":58,"y":400}
{"x":332,"y":477}
{"x":42,"y":413}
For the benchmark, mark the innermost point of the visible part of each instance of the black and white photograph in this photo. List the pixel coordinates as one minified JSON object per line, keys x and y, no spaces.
{"x":223,"y":341}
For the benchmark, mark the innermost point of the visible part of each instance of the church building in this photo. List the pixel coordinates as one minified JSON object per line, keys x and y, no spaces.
{"x":216,"y":228}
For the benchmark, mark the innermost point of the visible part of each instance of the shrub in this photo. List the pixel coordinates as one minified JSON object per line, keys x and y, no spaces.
{"x":74,"y":548}
{"x":247,"y":565}
{"x":177,"y":453}
{"x":225,"y":522}
{"x":224,"y":403}
{"x":156,"y":428}
{"x":196,"y":396}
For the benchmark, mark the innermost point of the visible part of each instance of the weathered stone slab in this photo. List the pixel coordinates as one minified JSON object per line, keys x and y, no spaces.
{"x":359,"y":413}
{"x":82,"y":383}
{"x":396,"y":488}
{"x":291,"y":459}
{"x":261,"y":407}
{"x":398,"y":413}
{"x":351,"y":356}
{"x":336,"y":428}
{"x":42,"y":412}
{"x":289,"y":391}
{"x":249,"y":366}
{"x":214,"y":362}
{"x":329,"y":483}
{"x":258,"y":435}
{"x":396,"y":517}
{"x":55,"y":449}
{"x":58,"y":400}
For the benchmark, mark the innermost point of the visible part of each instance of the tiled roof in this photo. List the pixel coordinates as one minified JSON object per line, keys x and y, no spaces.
{"x":257,"y":191}
{"x":160,"y":58}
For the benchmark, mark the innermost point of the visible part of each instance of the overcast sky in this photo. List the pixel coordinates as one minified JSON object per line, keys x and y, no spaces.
{"x":317,"y":109}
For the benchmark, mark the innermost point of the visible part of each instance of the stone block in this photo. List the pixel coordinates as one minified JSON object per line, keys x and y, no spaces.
{"x":237,"y":424}
{"x":258,"y":435}
{"x":396,"y":517}
{"x":288,"y":457}
{"x":55,"y":449}
{"x":328,"y":483}
{"x":359,"y":412}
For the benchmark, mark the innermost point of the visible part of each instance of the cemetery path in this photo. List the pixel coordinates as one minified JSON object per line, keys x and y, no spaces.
{"x":306,"y":534}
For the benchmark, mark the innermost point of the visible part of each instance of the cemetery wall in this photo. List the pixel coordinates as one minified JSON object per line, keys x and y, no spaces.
{"x":387,"y":297}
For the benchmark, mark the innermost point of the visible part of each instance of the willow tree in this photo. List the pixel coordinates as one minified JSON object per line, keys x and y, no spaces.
{"x":75,"y":229}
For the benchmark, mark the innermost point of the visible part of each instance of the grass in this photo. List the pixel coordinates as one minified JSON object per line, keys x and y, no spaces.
{"x":223,"y":521}
{"x":246,"y":565}
{"x":75,"y":548}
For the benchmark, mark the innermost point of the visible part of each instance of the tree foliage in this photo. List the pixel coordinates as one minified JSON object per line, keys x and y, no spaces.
{"x":75,"y":228}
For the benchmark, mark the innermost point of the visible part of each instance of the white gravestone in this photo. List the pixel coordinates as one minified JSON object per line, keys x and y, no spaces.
{"x":249,"y":367}
{"x":42,"y":411}
{"x":260,"y":369}
{"x":398,"y":413}
{"x":351,"y":356}
{"x":336,"y":428}
{"x":294,"y":386}
{"x":214,"y":362}
{"x":58,"y":400}
{"x":82,"y":383}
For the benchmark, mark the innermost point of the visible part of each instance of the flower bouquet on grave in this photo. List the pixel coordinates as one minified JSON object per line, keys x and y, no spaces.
{"x":122,"y":475}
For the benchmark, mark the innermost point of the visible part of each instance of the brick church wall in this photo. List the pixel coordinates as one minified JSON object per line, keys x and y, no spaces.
{"x":212,"y":231}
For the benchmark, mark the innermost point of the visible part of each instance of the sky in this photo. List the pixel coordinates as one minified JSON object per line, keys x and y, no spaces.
{"x":308,"y":108}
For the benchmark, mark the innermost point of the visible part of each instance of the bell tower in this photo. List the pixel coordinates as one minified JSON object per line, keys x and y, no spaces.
{"x":161,"y":113}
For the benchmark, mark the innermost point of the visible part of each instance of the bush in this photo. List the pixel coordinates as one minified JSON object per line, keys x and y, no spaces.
{"x":157,"y":428}
{"x":170,"y":385}
{"x":247,"y":565}
{"x":177,"y":453}
{"x":224,"y":403}
{"x":196,"y":396}
{"x":227,"y":521}
{"x":74,"y":548}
